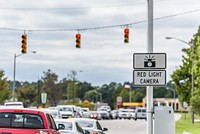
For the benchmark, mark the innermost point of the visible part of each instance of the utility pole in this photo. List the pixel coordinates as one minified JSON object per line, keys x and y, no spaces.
{"x":14,"y":72}
{"x":38,"y":91}
{"x":149,"y":89}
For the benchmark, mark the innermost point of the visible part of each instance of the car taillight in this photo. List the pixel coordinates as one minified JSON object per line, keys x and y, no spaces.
{"x":94,"y":133}
{"x":41,"y":132}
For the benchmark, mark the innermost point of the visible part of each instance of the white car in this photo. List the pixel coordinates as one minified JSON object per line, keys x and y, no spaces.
{"x":67,"y":126}
{"x":85,"y":112}
{"x":124,"y":114}
{"x":14,"y":104}
{"x":66,"y":111}
{"x":104,"y":113}
{"x":91,"y":125}
{"x":140,"y":113}
{"x":54,"y":113}
{"x":132,"y":112}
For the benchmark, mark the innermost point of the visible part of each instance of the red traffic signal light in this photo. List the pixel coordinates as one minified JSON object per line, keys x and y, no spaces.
{"x":78,"y":40}
{"x":24,"y":43}
{"x":126,"y":35}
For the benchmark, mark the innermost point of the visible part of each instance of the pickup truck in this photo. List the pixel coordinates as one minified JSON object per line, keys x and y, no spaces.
{"x":26,"y":121}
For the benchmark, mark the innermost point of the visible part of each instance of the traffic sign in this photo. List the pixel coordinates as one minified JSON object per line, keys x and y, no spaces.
{"x":44,"y":98}
{"x":149,"y":60}
{"x":149,"y":77}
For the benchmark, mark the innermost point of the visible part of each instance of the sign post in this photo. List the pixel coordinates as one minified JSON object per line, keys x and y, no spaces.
{"x":149,"y":71}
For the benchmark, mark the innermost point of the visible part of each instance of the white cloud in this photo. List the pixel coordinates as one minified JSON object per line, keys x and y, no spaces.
{"x":103,"y":56}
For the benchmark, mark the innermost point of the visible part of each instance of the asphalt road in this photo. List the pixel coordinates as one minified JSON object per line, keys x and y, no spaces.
{"x":124,"y":126}
{"x":127,"y":126}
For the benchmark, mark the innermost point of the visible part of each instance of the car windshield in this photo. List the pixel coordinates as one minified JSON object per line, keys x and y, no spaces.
{"x":84,"y":110}
{"x":102,"y":109}
{"x":88,"y":124}
{"x":21,"y":120}
{"x":124,"y":111}
{"x":66,"y":109}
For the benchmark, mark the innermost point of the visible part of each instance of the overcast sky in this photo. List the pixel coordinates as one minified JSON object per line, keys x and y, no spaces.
{"x":51,"y":26}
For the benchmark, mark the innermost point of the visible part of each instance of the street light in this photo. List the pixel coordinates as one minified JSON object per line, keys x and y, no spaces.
{"x":128,"y":86}
{"x":192,"y":90}
{"x":174,"y":90}
{"x":68,"y":78}
{"x":15,"y":56}
{"x":73,"y":74}
{"x":168,"y":38}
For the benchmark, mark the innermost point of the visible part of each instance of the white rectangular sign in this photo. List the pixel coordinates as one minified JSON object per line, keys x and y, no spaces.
{"x":149,"y":60}
{"x":149,"y":77}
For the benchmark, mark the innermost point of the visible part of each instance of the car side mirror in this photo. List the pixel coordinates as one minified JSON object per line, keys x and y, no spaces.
{"x":87,"y":132}
{"x":61,"y":126}
{"x":105,"y":129}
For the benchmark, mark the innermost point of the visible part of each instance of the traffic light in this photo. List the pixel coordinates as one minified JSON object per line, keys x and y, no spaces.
{"x":78,"y":40}
{"x":24,"y":43}
{"x":126,"y":35}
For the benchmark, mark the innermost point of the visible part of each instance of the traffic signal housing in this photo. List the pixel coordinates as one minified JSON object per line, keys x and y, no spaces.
{"x":78,"y":40}
{"x":126,"y":35}
{"x":24,"y":43}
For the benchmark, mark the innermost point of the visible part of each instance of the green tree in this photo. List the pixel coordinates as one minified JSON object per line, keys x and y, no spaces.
{"x":125,"y":95}
{"x":54,"y":93}
{"x":182,"y":77}
{"x":92,"y":95}
{"x":4,"y":92}
{"x":83,"y":88}
{"x":195,"y":102}
{"x":27,"y":94}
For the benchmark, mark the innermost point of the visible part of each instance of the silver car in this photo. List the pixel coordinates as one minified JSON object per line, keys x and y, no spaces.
{"x":67,"y":126}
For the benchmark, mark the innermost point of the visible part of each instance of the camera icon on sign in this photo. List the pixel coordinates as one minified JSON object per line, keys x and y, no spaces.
{"x":149,"y":62}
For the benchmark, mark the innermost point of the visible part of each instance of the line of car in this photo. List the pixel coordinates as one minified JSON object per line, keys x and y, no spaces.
{"x":61,"y":119}
{"x":54,"y":120}
{"x":138,"y":113}
{"x":105,"y":112}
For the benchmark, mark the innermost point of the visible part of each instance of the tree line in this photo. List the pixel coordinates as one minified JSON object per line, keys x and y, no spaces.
{"x":73,"y":91}
{"x":187,"y":76}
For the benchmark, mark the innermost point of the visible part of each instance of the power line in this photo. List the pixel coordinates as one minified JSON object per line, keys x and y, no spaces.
{"x":80,"y":8}
{"x":101,"y":27}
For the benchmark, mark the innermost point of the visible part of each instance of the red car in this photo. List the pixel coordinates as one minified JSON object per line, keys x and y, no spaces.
{"x":26,"y":121}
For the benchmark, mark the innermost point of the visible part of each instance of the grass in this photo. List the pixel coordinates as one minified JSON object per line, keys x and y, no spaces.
{"x":185,"y":124}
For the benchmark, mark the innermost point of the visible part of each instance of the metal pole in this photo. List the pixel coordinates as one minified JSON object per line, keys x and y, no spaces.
{"x":13,"y":94}
{"x":74,"y":88}
{"x":15,"y":56}
{"x":101,"y":97}
{"x":74,"y":73}
{"x":149,"y":89}
{"x":68,"y":77}
{"x":174,"y":99}
{"x":130,"y":95}
{"x":192,"y":80}
{"x":38,"y":91}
